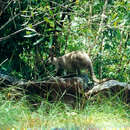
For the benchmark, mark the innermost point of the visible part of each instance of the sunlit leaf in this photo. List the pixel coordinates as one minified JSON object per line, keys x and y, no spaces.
{"x":49,"y":21}
{"x":58,"y":28}
{"x":32,"y":13}
{"x":38,"y":41}
{"x":28,"y":32}
{"x":30,"y":25}
{"x":51,"y":12}
{"x":30,"y":29}
{"x":52,"y":24}
{"x":77,"y":1}
{"x":31,"y":35}
{"x":46,"y":19}
{"x":50,"y":43}
{"x":115,"y":23}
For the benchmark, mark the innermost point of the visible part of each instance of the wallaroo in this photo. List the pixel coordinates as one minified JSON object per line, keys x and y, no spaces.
{"x":74,"y":61}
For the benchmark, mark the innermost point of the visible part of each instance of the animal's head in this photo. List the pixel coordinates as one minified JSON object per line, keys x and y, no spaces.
{"x":52,"y":60}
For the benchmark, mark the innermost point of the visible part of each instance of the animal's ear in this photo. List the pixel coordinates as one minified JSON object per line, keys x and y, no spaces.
{"x":52,"y":59}
{"x":49,"y":60}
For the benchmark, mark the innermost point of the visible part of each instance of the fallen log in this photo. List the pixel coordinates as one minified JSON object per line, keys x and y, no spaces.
{"x":68,"y":86}
{"x":56,"y":87}
{"x":114,"y":86}
{"x":107,"y":85}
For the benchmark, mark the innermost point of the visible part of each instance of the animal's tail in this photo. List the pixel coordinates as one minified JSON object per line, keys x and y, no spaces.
{"x":94,"y":77}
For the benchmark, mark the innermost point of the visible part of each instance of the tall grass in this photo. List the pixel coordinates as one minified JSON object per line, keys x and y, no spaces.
{"x":98,"y":112}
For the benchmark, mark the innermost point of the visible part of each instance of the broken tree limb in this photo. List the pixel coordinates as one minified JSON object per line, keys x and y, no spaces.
{"x":107,"y":85}
{"x":58,"y":87}
{"x":73,"y":85}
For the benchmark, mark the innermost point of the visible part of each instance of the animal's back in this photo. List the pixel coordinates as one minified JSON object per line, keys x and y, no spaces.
{"x":77,"y":59}
{"x":84,"y":60}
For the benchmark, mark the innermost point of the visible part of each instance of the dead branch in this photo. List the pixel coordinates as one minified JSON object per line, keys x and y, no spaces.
{"x":57,"y":87}
{"x":107,"y":85}
{"x":102,"y":20}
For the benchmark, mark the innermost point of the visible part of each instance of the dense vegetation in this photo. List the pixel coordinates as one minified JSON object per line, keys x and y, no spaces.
{"x":31,"y":31}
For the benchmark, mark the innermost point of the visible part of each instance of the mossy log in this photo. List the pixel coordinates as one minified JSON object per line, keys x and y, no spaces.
{"x":69,"y":86}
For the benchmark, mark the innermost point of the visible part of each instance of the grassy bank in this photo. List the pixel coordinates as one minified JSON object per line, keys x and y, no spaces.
{"x":99,"y":112}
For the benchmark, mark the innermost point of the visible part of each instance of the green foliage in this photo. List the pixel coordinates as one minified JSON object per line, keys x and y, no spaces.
{"x":49,"y":28}
{"x":31,"y":31}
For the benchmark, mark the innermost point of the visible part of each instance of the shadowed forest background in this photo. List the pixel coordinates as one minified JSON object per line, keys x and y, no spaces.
{"x":31,"y":31}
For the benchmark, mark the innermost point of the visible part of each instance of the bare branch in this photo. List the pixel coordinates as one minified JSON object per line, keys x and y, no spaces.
{"x":12,"y":34}
{"x":9,"y":2}
{"x":11,"y":19}
{"x":3,"y":62}
{"x":107,"y":85}
{"x":102,"y":19}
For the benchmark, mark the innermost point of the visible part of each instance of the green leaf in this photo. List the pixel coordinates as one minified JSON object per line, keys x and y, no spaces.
{"x":31,"y":35}
{"x":50,"y":22}
{"x":38,"y":41}
{"x":32,"y":14}
{"x":50,"y":43}
{"x":30,"y":25}
{"x":51,"y":12}
{"x":28,"y":32}
{"x":30,"y":29}
{"x":46,"y":19}
{"x":58,"y":29}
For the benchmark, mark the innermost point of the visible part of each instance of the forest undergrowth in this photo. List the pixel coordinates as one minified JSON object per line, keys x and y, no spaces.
{"x":99,"y":111}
